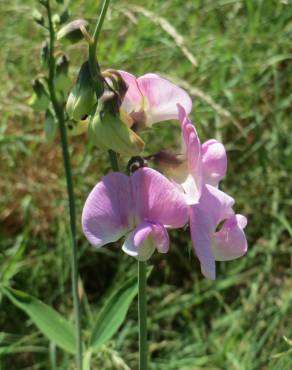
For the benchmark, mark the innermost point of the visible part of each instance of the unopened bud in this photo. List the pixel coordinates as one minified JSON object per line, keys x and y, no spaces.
{"x":45,"y":53}
{"x":50,"y":126}
{"x":64,"y":16}
{"x":56,"y":19}
{"x":109,"y":132}
{"x":38,"y":17}
{"x":39,"y":101}
{"x":82,"y":98}
{"x":62,"y":80}
{"x":72,"y":31}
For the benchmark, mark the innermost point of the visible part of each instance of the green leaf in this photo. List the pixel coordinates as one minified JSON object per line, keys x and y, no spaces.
{"x":54,"y":326}
{"x":113,"y":313}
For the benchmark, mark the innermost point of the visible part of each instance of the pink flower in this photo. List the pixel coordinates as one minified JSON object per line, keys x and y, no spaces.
{"x":150,"y":99}
{"x":206,"y":164}
{"x":209,"y":206}
{"x":139,"y":207}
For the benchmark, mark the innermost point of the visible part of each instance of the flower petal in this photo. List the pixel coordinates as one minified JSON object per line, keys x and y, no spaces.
{"x":191,"y":141}
{"x":133,"y":99}
{"x":230,"y":242}
{"x":142,"y":242}
{"x":214,"y":162}
{"x":107,"y":212}
{"x":161,"y":97}
{"x":157,"y":199}
{"x":214,"y":206}
{"x":201,"y":230}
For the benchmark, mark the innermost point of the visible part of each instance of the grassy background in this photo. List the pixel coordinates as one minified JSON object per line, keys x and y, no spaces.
{"x":241,"y":89}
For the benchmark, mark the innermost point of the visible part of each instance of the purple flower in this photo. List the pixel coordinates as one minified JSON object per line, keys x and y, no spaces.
{"x":139,"y":207}
{"x":209,"y":206}
{"x":151,"y":99}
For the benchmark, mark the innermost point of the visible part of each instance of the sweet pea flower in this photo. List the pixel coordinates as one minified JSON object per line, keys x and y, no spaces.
{"x":197,"y":164}
{"x":198,"y":171}
{"x":151,"y":99}
{"x":141,"y":207}
{"x":209,"y":206}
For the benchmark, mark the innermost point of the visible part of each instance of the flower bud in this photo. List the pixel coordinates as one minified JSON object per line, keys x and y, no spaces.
{"x":50,"y":126}
{"x":62,"y":80}
{"x":56,"y":19}
{"x":45,"y":53}
{"x":72,"y":31}
{"x":82,"y":98}
{"x":64,"y":16}
{"x":39,"y":101}
{"x":38,"y":17}
{"x":109,"y":132}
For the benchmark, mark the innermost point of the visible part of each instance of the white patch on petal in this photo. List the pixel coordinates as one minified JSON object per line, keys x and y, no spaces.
{"x":191,"y":190}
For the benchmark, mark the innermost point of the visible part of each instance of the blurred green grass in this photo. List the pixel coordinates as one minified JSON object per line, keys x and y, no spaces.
{"x":243,"y":54}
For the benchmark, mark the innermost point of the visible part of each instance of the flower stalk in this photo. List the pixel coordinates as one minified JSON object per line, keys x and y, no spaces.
{"x":142,"y":314}
{"x":95,"y":71}
{"x":70,"y":189}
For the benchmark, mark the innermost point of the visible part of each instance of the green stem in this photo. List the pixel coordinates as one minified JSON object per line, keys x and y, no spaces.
{"x":142,"y":314}
{"x":95,"y":71}
{"x":93,"y":64}
{"x":113,"y":160}
{"x":99,"y":23}
{"x":70,"y":190}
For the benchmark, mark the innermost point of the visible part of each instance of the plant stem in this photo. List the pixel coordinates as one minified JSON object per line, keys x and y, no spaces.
{"x":70,"y":190}
{"x":93,"y":63}
{"x":113,"y":160}
{"x":142,"y":315}
{"x":95,"y":71}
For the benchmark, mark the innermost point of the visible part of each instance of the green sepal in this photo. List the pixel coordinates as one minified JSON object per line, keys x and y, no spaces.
{"x":82,"y":97}
{"x":109,"y":132}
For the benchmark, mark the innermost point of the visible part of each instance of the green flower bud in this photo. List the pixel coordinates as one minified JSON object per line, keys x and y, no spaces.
{"x":64,"y":16}
{"x":56,"y":19}
{"x":109,"y":132}
{"x":45,"y":53}
{"x":38,"y":17}
{"x":82,"y":98}
{"x":72,"y":31}
{"x":62,"y":80}
{"x":39,"y":101}
{"x":50,"y":126}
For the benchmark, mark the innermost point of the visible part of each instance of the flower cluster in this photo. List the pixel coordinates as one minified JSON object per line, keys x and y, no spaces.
{"x":144,"y":205}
